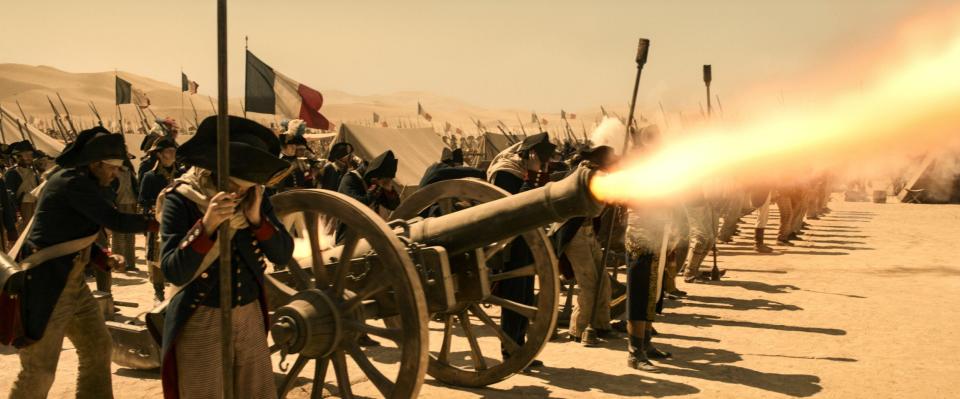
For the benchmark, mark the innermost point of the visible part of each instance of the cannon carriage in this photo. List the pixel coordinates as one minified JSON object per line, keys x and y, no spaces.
{"x":355,"y":274}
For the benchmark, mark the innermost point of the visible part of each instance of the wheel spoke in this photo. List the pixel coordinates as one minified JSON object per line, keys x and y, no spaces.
{"x":447,"y":336}
{"x":526,"y":271}
{"x":496,"y":248}
{"x":343,"y":379}
{"x":292,"y":375}
{"x":319,"y":377}
{"x":478,"y":361}
{"x":343,"y":265}
{"x":312,"y":221}
{"x":508,"y":342}
{"x":393,"y":334}
{"x":383,"y":384}
{"x":527,"y":311}
{"x":300,"y":277}
{"x":366,"y":292}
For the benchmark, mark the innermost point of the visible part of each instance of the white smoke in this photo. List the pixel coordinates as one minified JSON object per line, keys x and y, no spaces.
{"x":609,"y":132}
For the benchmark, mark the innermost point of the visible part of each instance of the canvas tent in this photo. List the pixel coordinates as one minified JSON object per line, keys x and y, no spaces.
{"x":43,"y":142}
{"x":415,"y":149}
{"x":935,"y":181}
{"x":493,"y":143}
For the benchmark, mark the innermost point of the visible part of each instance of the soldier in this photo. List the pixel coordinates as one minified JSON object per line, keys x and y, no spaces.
{"x":339,"y":165}
{"x":192,"y":210}
{"x":516,"y":169}
{"x":164,"y":128}
{"x":154,"y":181}
{"x":449,"y":167}
{"x":23,"y":178}
{"x":300,"y":177}
{"x":127,"y":189}
{"x":374,"y":188}
{"x":584,"y":253}
{"x":56,"y":302}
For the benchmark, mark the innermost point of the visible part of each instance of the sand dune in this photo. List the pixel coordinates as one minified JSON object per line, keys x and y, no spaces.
{"x":32,"y":84}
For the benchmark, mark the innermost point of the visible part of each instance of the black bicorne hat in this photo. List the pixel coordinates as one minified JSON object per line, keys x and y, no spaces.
{"x":339,"y":150}
{"x":162,"y":144}
{"x":20,"y":147}
{"x":383,"y":166}
{"x":540,"y":144}
{"x":254,"y":150}
{"x":602,"y":156}
{"x":92,"y":145}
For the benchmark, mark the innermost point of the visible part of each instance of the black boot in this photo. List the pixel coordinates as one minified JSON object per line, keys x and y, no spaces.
{"x":637,"y":357}
{"x":158,"y":292}
{"x":759,"y":246}
{"x":651,"y":351}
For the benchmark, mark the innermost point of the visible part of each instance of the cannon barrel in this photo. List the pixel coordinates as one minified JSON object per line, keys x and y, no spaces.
{"x":498,"y":220}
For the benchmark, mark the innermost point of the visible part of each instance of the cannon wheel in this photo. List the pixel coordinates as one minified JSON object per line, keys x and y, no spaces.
{"x":326,"y":306}
{"x":472,"y":318}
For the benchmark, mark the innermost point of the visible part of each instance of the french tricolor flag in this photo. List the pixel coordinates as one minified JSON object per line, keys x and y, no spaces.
{"x":270,"y":92}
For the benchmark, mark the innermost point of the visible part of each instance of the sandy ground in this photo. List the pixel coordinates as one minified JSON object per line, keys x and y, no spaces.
{"x":865,"y":307}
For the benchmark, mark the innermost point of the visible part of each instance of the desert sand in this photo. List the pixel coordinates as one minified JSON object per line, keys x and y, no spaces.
{"x":862,"y":308}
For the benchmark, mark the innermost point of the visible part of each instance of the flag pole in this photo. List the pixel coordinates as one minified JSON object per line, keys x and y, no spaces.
{"x":182,"y":117}
{"x":116,"y":76}
{"x":223,"y":180}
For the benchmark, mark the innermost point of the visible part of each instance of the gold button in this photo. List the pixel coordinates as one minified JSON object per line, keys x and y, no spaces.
{"x":255,"y":242}
{"x":204,"y":275}
{"x":202,"y":294}
{"x":193,"y":306}
{"x":239,"y":298}
{"x":256,"y":250}
{"x":238,"y":285}
{"x":29,"y":277}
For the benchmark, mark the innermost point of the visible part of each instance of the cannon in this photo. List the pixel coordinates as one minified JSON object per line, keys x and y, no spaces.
{"x":354,"y":274}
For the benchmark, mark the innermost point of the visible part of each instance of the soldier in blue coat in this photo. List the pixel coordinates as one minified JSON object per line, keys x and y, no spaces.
{"x":56,"y":300}
{"x":192,"y":210}
{"x":337,"y":167}
{"x":154,"y":181}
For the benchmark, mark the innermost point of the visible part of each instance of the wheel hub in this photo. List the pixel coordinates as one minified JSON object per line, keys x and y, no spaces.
{"x":311,"y":324}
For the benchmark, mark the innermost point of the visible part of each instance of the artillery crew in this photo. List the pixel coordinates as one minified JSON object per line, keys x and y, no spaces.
{"x":56,"y":302}
{"x":154,"y":181}
{"x":22,"y":178}
{"x":191,"y":211}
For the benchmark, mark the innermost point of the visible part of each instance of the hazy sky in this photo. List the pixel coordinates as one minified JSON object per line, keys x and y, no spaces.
{"x":497,"y":53}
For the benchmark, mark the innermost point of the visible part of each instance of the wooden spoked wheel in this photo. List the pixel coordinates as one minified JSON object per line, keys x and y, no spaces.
{"x":339,"y":288}
{"x":459,"y":358}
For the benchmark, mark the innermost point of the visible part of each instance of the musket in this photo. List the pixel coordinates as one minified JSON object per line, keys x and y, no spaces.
{"x":522,"y":129}
{"x":57,"y":121}
{"x":26,"y":127}
{"x":93,"y":108}
{"x":509,"y":131}
{"x":143,"y":120}
{"x":584,"y":127}
{"x":67,"y":112}
{"x":213,"y":106}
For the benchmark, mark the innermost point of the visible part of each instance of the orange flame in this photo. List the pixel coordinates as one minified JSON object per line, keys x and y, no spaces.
{"x":911,"y":107}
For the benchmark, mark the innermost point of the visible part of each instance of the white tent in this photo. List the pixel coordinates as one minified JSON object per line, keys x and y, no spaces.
{"x":415,"y":149}
{"x":43,"y":142}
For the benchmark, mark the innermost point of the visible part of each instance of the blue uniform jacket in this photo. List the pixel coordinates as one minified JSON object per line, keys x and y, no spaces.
{"x":183,"y":247}
{"x":72,"y":206}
